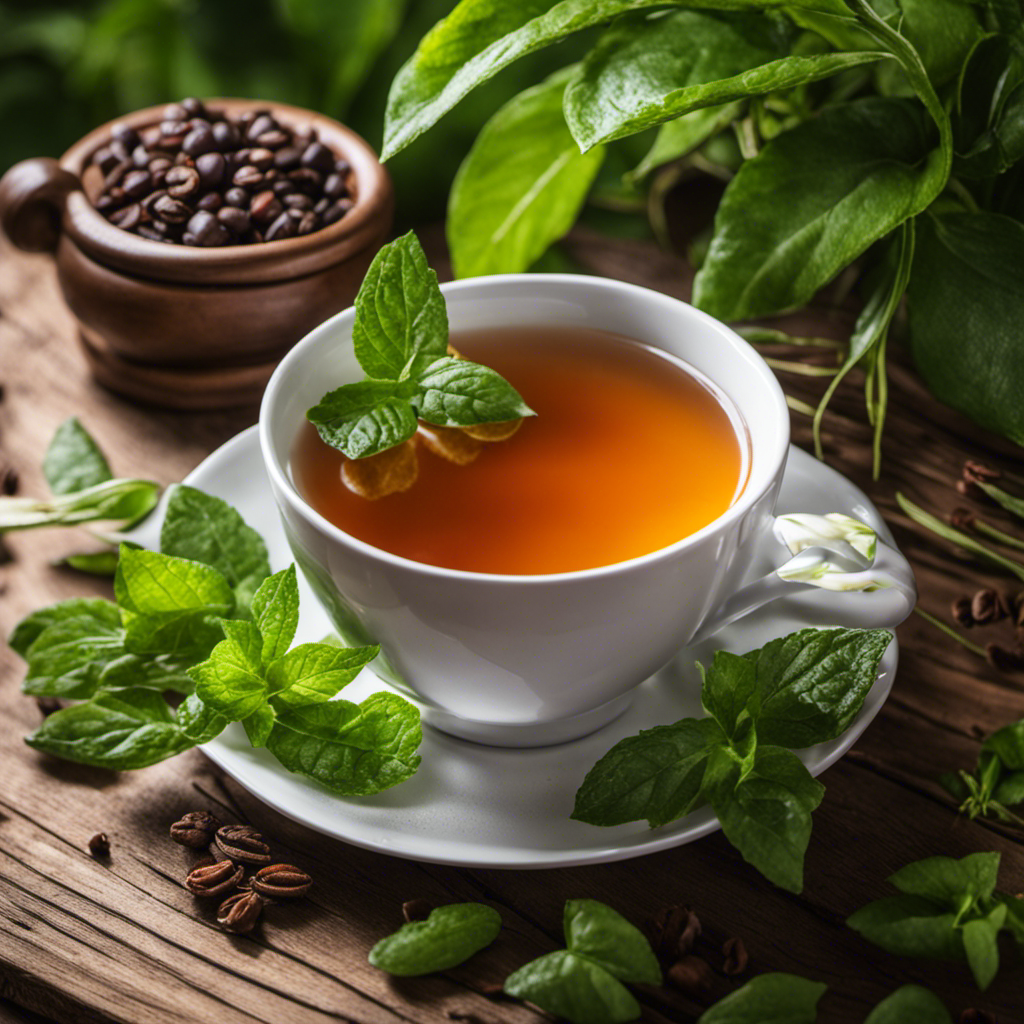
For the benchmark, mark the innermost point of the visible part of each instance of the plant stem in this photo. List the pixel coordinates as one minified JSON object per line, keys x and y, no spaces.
{"x":797,"y":406}
{"x":998,"y":536}
{"x":787,"y":366}
{"x":949,"y":631}
{"x":883,"y":402}
{"x":770,"y":336}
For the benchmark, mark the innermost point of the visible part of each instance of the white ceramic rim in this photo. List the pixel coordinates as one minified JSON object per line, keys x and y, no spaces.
{"x":775,"y":460}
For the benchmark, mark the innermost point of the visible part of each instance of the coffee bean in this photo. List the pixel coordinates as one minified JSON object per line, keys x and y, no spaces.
{"x":335,"y":187}
{"x":261,"y":158}
{"x":247,"y":176}
{"x":128,"y":217}
{"x":337,"y":210}
{"x":263,"y":123}
{"x":342,"y":166}
{"x":273,"y":139}
{"x":226,"y":135}
{"x":182,"y":181}
{"x":283,"y":227}
{"x":192,"y":107}
{"x":176,"y":127}
{"x":141,"y":156}
{"x":321,"y":205}
{"x":199,"y":141}
{"x":318,"y":157}
{"x":309,"y":223}
{"x":152,"y":199}
{"x":211,"y":167}
{"x":159,"y":164}
{"x":212,"y":201}
{"x":175,"y":112}
{"x":125,"y":135}
{"x":265,"y":207}
{"x":105,"y":160}
{"x":182,"y":159}
{"x":147,"y":231}
{"x":234,"y":218}
{"x":298,"y":201}
{"x":237,"y":197}
{"x":137,"y":184}
{"x":120,"y":150}
{"x":117,"y":172}
{"x":106,"y":202}
{"x":205,"y":229}
{"x":306,"y":179}
{"x":283,"y":187}
{"x":288,"y":158}
{"x":171,"y":210}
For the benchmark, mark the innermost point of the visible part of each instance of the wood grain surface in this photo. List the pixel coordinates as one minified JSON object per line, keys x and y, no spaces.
{"x":120,"y":940}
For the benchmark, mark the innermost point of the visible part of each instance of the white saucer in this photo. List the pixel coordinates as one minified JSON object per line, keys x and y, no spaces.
{"x":479,"y":806}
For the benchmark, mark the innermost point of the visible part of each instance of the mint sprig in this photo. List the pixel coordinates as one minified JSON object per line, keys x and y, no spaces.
{"x":796,"y":691}
{"x":400,"y":337}
{"x":204,"y":618}
{"x":946,"y":909}
{"x":997,"y":782}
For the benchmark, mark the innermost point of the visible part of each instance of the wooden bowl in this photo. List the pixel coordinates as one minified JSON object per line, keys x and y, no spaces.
{"x":183,"y":326}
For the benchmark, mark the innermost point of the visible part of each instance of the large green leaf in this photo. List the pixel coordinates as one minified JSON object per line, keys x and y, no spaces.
{"x":365,"y":418}
{"x":768,"y":999}
{"x":943,"y":33}
{"x":447,"y":938}
{"x":480,"y":37}
{"x":73,"y":460}
{"x":812,"y":201}
{"x":966,"y":304}
{"x":603,"y":935}
{"x":521,"y":186}
{"x":910,"y":1004}
{"x":648,"y":69}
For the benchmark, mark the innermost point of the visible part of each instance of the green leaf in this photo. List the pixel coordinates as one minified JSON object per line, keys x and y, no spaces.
{"x":521,"y":186}
{"x":573,"y":987}
{"x":648,"y":69}
{"x":115,"y":500}
{"x":981,"y":944}
{"x":259,"y":724}
{"x":96,"y":563}
{"x":400,"y":312}
{"x":202,"y":528}
{"x":314,"y":673}
{"x":447,"y":938}
{"x":198,"y":721}
{"x":684,"y":134}
{"x":965,"y":300}
{"x":655,"y":775}
{"x":352,"y":749}
{"x":458,"y":393}
{"x":167,"y":603}
{"x":74,"y":461}
{"x":129,"y":729}
{"x":365,"y":418}
{"x":1010,"y":790}
{"x":910,"y":1004}
{"x":943,"y":33}
{"x":68,"y":657}
{"x":729,"y":685}
{"x":812,"y":201}
{"x":480,"y":37}
{"x":152,"y":672}
{"x":812,"y":683}
{"x":909,"y":926}
{"x":946,"y":880}
{"x":1014,"y":916}
{"x":1004,"y":499}
{"x":768,"y":999}
{"x":29,"y":629}
{"x":766,"y":814}
{"x":231,"y":681}
{"x":595,"y":931}
{"x":275,"y":610}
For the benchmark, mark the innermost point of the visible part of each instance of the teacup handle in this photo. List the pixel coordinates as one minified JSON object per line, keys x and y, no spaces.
{"x":832,"y":552}
{"x":32,"y":195}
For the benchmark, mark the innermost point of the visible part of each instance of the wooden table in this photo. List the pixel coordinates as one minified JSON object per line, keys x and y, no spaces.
{"x":121,"y":940}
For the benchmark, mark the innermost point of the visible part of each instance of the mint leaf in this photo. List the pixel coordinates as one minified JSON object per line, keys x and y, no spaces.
{"x":152,"y":672}
{"x":768,"y":999}
{"x":595,"y":931}
{"x":352,"y":749}
{"x":168,"y":604}
{"x":30,"y":627}
{"x":115,"y":500}
{"x":314,"y":673}
{"x":656,"y":775}
{"x":573,"y":987}
{"x":73,"y":460}
{"x":96,"y":563}
{"x":259,"y":724}
{"x":812,"y":683}
{"x":981,"y":944}
{"x":1008,"y":745}
{"x":202,"y":528}
{"x":231,"y":681}
{"x":909,"y":926}
{"x":365,"y":418}
{"x":729,"y":685}
{"x":910,"y":1004}
{"x":766,"y":813}
{"x":1014,"y":916}
{"x":198,"y":721}
{"x":400,"y":312}
{"x":947,"y":880}
{"x":129,"y":729}
{"x":447,"y":938}
{"x":458,"y":393}
{"x":275,"y":610}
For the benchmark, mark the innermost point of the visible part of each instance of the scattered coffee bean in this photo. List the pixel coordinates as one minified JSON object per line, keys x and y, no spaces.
{"x":99,"y":845}
{"x":691,"y":975}
{"x":280,"y":180}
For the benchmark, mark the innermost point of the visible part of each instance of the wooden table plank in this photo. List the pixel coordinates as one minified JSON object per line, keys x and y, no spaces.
{"x":87,"y":940}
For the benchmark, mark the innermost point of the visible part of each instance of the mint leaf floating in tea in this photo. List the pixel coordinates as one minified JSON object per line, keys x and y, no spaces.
{"x":400,"y":337}
{"x":947,"y":909}
{"x":447,"y":938}
{"x":583,"y":983}
{"x":794,"y":692}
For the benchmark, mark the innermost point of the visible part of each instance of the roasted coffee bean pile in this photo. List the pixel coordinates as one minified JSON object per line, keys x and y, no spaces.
{"x":204,"y":178}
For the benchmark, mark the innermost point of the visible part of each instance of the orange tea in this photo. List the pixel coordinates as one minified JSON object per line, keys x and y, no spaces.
{"x":629,"y":452}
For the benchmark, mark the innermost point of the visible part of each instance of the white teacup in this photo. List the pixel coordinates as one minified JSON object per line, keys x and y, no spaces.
{"x":532,"y":660}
